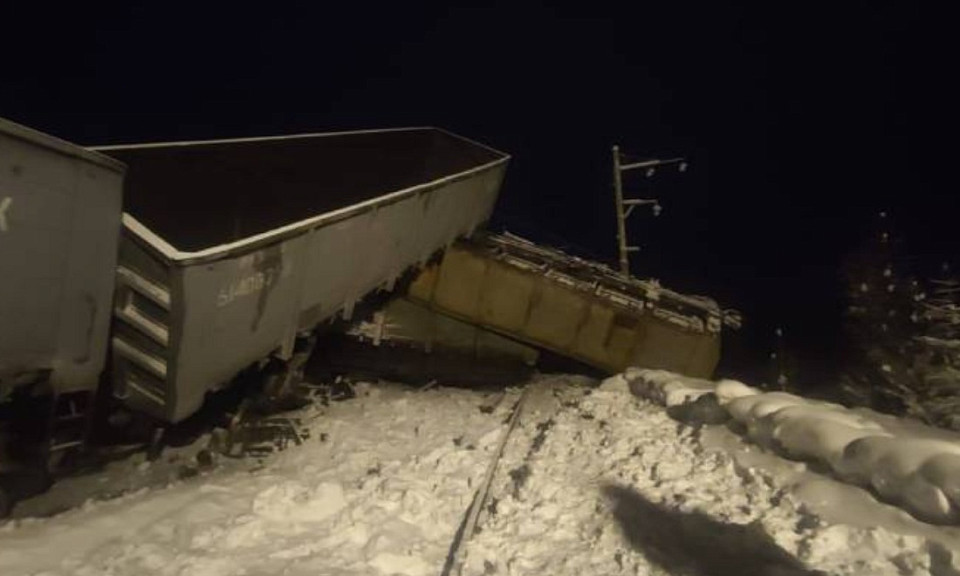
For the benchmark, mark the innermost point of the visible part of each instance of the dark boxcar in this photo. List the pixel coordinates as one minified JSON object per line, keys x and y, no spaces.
{"x":231,"y":248}
{"x":60,"y":209}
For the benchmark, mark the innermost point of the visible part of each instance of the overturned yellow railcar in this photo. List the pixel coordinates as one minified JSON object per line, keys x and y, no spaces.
{"x":574,"y":307}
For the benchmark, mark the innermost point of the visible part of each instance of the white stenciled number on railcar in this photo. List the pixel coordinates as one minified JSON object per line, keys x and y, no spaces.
{"x":5,"y":203}
{"x":252,"y":284}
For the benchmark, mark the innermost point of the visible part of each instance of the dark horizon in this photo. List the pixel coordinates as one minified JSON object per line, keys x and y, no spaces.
{"x":800,"y":125}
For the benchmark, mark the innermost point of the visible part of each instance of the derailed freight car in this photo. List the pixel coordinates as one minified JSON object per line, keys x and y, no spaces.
{"x":231,"y":248}
{"x":580,"y":309}
{"x":226,"y":251}
{"x":59,"y":224}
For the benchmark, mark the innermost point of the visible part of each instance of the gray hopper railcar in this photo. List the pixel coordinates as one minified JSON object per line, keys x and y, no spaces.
{"x":59,"y":224}
{"x":184,"y":263}
{"x":60,"y":209}
{"x":231,"y":248}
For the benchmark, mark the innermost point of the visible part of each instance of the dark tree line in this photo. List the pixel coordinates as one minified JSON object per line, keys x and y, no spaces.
{"x":903,"y":327}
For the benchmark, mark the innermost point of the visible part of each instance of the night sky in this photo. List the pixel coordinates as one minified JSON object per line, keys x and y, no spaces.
{"x":800,"y":122}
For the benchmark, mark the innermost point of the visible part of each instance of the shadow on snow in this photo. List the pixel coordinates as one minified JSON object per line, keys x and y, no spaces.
{"x":692,"y":543}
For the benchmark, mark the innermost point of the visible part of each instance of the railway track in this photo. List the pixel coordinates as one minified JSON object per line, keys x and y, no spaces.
{"x":454,"y":563}
{"x":510,"y":464}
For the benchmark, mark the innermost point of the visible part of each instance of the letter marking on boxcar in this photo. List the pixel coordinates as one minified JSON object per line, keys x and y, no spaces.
{"x":5,"y":203}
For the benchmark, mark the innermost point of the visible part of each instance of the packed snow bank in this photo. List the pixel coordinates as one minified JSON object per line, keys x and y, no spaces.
{"x":592,"y":481}
{"x":914,"y":468}
{"x":671,"y":389}
{"x":667,"y":388}
{"x":605,"y":483}
{"x":379,"y":488}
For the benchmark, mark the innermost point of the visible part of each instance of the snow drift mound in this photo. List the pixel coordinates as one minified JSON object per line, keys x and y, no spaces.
{"x":667,"y":388}
{"x":904,"y":467}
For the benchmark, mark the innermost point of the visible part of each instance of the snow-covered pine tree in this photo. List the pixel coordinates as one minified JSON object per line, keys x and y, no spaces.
{"x":879,"y":322}
{"x":937,"y":358}
{"x":880,"y":288}
{"x":940,"y":311}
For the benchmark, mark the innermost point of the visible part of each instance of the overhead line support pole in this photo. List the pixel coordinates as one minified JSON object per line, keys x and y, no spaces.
{"x":621,"y":216}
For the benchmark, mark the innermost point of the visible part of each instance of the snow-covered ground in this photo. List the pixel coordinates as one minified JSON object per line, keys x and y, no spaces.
{"x":906,"y":463}
{"x":592,"y":481}
{"x":380,"y":486}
